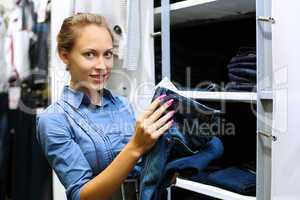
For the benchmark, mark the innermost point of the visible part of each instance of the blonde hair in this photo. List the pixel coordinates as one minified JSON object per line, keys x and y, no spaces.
{"x":69,"y":30}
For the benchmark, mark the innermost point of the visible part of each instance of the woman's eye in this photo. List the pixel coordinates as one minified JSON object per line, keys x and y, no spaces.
{"x":108,"y":54}
{"x":89,"y":55}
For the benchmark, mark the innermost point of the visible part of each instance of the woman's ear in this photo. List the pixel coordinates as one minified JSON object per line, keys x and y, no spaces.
{"x":64,"y":56}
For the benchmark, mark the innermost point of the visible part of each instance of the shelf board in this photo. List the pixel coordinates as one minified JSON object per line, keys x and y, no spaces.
{"x":210,"y":190}
{"x":265,"y":95}
{"x":191,"y":10}
{"x":228,"y":96}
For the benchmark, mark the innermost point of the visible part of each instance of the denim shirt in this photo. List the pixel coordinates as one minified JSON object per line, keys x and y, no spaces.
{"x":80,"y":140}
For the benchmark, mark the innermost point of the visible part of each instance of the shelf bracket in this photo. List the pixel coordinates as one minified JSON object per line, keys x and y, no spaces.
{"x":156,"y":34}
{"x":274,"y":138}
{"x":266,"y":19}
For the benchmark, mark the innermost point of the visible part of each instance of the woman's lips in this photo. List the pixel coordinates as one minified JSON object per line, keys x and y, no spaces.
{"x":98,"y":78}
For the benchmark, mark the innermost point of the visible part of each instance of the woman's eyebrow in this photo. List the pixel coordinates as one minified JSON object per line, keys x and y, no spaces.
{"x":110,"y":49}
{"x":92,"y":49}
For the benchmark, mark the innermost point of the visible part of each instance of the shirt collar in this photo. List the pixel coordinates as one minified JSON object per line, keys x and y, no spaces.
{"x":76,"y":98}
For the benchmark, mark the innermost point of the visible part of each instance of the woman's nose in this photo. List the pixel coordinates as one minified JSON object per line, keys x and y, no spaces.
{"x":101,"y":64}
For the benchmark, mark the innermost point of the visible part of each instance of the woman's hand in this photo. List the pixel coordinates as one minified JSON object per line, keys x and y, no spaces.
{"x":151,"y":125}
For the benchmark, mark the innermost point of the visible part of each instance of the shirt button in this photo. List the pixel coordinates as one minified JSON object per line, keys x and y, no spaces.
{"x":168,"y":141}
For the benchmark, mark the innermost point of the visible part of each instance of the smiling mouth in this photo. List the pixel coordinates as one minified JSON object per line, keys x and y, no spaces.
{"x":98,"y":78}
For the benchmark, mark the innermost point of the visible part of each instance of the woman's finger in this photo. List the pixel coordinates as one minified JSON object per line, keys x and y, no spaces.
{"x":152,"y":107}
{"x":163,"y":120}
{"x":163,"y":129}
{"x":158,"y":113}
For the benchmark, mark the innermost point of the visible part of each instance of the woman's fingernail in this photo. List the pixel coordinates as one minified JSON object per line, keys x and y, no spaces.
{"x":161,"y":96}
{"x":171,"y":121}
{"x":170,"y":102}
{"x":172,"y":112}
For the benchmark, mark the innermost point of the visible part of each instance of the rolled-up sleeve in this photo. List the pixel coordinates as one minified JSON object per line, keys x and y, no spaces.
{"x":62,"y":152}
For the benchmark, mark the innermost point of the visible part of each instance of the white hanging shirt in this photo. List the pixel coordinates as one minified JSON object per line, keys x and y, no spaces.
{"x":126,"y":15}
{"x":17,"y":45}
{"x":3,"y":67}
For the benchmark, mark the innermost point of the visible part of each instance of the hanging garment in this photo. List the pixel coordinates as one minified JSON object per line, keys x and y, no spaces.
{"x":4,"y":145}
{"x":132,"y":56}
{"x":17,"y":46}
{"x":32,"y":175}
{"x":38,"y":53}
{"x":3,"y":67}
{"x":123,"y":18}
{"x":197,"y":144}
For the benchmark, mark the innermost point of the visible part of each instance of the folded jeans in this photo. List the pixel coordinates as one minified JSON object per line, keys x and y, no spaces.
{"x":238,"y":87}
{"x":234,"y":179}
{"x":241,"y":79}
{"x":178,"y":142}
{"x":243,"y":72}
{"x":243,"y":65}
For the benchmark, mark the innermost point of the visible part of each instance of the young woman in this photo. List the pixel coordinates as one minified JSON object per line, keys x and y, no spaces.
{"x":90,"y":136}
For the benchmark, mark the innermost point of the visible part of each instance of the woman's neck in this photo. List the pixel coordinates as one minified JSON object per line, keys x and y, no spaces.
{"x":94,"y":95}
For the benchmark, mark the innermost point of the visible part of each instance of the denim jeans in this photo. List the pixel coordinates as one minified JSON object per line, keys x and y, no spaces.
{"x":192,"y":165}
{"x":242,"y":65}
{"x":243,"y":72}
{"x":251,"y":58}
{"x":234,"y":179}
{"x":239,"y":87}
{"x":178,"y":142}
{"x":241,"y":79}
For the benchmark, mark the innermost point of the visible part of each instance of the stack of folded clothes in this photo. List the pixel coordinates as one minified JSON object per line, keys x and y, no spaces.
{"x":242,"y":71}
{"x":235,"y":179}
{"x":187,"y":148}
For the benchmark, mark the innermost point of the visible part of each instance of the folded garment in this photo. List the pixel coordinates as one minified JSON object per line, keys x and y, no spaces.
{"x":234,"y":179}
{"x":192,"y":119}
{"x":191,"y":165}
{"x":241,"y":79}
{"x":239,"y":87}
{"x":249,"y":57}
{"x":243,"y":72}
{"x":185,"y":138}
{"x":243,"y":65}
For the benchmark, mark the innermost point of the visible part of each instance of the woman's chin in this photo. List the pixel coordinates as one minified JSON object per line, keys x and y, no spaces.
{"x":98,"y":86}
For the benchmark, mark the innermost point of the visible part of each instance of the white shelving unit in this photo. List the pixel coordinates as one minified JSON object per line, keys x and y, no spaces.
{"x":210,"y":190}
{"x":191,"y":10}
{"x":228,"y":96}
{"x":181,"y":13}
{"x":265,"y":95}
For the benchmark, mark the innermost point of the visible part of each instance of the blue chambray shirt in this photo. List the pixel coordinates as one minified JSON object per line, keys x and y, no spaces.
{"x":80,"y":140}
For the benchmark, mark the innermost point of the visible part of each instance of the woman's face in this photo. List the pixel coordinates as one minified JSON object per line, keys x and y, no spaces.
{"x":91,"y":59}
